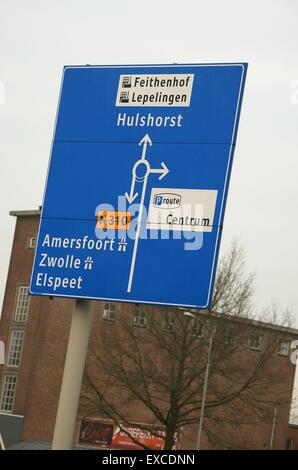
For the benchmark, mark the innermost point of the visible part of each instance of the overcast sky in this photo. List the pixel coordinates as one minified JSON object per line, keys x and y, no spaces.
{"x":38,"y":37}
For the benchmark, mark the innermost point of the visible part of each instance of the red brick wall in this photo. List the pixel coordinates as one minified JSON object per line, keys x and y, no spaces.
{"x":293,"y":436}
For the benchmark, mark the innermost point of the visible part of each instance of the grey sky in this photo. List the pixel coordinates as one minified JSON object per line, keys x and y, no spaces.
{"x":38,"y":38}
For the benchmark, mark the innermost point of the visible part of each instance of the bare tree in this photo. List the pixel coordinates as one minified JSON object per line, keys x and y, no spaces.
{"x":160,"y":369}
{"x":234,"y":288}
{"x":294,"y":409}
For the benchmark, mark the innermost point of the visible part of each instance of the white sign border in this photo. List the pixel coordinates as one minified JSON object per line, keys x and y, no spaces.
{"x":236,"y":64}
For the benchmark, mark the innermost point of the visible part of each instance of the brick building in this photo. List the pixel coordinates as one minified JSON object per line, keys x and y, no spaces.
{"x":292,"y":440}
{"x":35,"y":331}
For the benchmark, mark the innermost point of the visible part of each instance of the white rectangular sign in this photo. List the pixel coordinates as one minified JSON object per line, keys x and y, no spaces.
{"x":189,"y":210}
{"x":155,"y":90}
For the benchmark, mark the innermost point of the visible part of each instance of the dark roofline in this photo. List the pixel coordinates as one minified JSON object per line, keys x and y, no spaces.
{"x":248,"y":321}
{"x":293,"y":425}
{"x":25,"y":213}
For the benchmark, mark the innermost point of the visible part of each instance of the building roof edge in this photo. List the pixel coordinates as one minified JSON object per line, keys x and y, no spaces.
{"x":27,"y":213}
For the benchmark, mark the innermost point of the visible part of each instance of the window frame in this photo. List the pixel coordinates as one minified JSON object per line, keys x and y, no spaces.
{"x":289,"y":443}
{"x":198,"y":329}
{"x":109,"y":312}
{"x":8,"y":405}
{"x":21,"y":317}
{"x":19,"y":347}
{"x":284,"y":341}
{"x":142,"y":317}
{"x":30,"y":245}
{"x":169,"y":322}
{"x":251,"y":346}
{"x":228,"y":338}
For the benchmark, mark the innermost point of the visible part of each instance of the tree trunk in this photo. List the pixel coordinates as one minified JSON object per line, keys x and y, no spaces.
{"x":170,"y":438}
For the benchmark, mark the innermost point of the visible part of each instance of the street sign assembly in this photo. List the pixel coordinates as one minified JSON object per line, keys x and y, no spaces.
{"x":137,"y":183}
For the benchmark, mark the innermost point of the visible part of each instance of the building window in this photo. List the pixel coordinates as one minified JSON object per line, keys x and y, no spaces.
{"x":289,"y":443}
{"x":255,"y":342}
{"x":169,"y":322}
{"x":32,"y":242}
{"x":15,"y":348}
{"x":22,"y":304}
{"x":8,"y":393}
{"x":109,"y":312}
{"x":139,"y":318}
{"x":283,"y":347}
{"x":198,"y":330}
{"x":228,"y":335}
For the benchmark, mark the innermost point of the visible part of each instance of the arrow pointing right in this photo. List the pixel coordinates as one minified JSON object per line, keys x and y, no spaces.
{"x":163,"y":171}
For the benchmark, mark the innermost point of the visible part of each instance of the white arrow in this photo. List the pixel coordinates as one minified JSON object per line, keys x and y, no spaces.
{"x":145,"y":140}
{"x":164,"y":171}
{"x":131,"y":196}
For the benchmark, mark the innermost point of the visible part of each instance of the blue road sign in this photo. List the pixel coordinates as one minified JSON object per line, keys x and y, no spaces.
{"x":137,"y":183}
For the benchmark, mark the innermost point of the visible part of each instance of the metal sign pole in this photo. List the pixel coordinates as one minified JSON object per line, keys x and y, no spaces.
{"x":72,"y":375}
